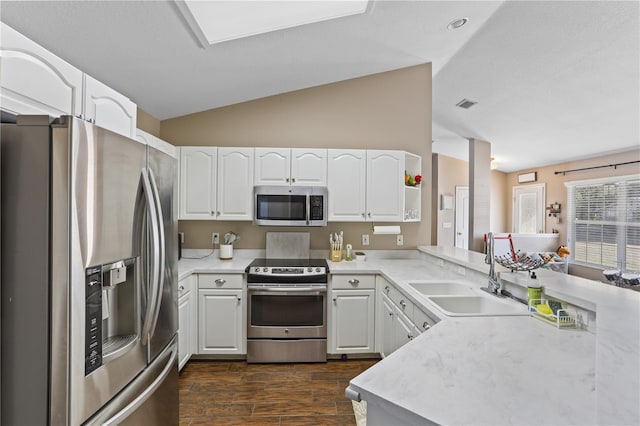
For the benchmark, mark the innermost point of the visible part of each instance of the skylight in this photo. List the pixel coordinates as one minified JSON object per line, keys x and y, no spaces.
{"x":222,"y":20}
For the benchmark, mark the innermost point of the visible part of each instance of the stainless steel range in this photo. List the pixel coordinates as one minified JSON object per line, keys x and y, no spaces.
{"x":287,"y":310}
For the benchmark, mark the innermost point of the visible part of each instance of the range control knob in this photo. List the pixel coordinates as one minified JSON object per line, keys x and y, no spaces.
{"x":257,"y":270}
{"x":265,"y":269}
{"x":309,"y":269}
{"x":317,"y":269}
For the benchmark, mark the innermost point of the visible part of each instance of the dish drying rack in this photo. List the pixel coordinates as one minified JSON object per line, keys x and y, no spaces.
{"x":562,"y":318}
{"x":520,"y":262}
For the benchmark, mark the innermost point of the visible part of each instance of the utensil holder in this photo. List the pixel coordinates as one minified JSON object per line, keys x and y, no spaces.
{"x":336,"y":255}
{"x":226,"y":251}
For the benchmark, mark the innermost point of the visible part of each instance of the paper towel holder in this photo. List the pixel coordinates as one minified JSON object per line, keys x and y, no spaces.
{"x":386,"y":230}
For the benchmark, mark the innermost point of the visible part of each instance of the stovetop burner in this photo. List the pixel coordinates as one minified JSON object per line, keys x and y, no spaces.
{"x":283,"y":263}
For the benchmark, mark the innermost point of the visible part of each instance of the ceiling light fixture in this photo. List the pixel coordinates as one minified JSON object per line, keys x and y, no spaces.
{"x":455,"y":24}
{"x":466,"y":104}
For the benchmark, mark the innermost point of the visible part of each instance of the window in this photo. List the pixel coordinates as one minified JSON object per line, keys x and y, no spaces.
{"x":603,"y":226}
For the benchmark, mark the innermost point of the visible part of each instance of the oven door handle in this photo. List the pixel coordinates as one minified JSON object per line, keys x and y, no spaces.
{"x":308,"y":206}
{"x":311,"y":290}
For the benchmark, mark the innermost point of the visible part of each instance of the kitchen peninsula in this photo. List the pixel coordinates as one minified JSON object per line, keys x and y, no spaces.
{"x":496,"y":370}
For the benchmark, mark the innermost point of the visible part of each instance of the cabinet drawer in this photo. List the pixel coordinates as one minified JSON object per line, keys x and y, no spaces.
{"x":400,"y":300}
{"x":220,"y":280}
{"x":185,"y":285}
{"x":353,"y":281}
{"x":422,"y":321}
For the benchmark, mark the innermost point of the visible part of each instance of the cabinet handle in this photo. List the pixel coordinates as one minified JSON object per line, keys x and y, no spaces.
{"x":354,"y":281}
{"x":239,"y":299}
{"x":363,"y":215}
{"x":217,"y":213}
{"x":386,"y":288}
{"x":425,"y":326}
{"x":410,"y":336}
{"x":369,"y":214}
{"x":335,"y":300}
{"x":287,"y":179}
{"x":181,"y":288}
{"x":403,"y":304}
{"x":390,"y":314}
{"x":213,"y":213}
{"x":220,"y":281}
{"x":293,"y":180}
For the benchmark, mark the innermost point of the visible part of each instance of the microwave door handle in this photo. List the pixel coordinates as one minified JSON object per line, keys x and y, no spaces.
{"x":155,"y":246}
{"x":308,"y":206}
{"x":157,"y":286}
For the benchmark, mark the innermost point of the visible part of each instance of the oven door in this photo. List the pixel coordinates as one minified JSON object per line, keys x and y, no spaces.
{"x":287,"y":312}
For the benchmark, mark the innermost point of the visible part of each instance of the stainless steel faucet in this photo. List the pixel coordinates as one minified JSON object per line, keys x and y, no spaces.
{"x":493,"y":285}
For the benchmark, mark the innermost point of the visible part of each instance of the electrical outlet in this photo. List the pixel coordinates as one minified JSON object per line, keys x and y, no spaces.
{"x":441,"y":263}
{"x":365,"y":239}
{"x":399,"y":240}
{"x":181,"y":237}
{"x":215,"y":238}
{"x":462,"y":271}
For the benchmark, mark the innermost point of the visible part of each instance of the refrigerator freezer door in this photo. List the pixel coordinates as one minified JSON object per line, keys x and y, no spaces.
{"x":152,"y":399}
{"x":163,"y":169}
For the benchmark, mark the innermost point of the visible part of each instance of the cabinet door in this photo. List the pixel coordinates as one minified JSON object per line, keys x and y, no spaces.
{"x":235,"y":184}
{"x":388,"y":340}
{"x":108,"y":108}
{"x":198,"y":182}
{"x":185,"y":328}
{"x":220,"y":322}
{"x":403,"y":329}
{"x":353,"y":321}
{"x":272,"y":166}
{"x":34,"y":80}
{"x":308,"y":167}
{"x":347,"y":183}
{"x":385,"y":186}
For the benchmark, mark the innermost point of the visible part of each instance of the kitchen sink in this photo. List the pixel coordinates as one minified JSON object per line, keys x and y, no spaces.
{"x":440,"y":287}
{"x":478,"y":305}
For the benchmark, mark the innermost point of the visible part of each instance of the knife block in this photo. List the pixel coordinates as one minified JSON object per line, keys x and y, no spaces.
{"x":336,"y":255}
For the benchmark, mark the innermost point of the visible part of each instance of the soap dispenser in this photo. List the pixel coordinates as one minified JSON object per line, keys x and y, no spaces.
{"x":534,"y":289}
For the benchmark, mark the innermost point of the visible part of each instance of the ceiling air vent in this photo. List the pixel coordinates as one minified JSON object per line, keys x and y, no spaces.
{"x":466,"y":104}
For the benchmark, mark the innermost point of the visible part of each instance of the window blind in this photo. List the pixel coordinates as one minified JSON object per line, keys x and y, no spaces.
{"x":604,"y":222}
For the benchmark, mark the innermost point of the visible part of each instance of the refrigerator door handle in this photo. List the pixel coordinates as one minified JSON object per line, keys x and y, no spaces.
{"x":140,"y":399}
{"x":156,"y":268}
{"x":161,"y":239}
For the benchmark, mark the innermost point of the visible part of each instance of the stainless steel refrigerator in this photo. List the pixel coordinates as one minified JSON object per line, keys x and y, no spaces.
{"x":89,"y":277}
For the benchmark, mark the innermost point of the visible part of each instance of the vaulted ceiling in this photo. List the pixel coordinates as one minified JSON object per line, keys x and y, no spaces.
{"x":554,"y":81}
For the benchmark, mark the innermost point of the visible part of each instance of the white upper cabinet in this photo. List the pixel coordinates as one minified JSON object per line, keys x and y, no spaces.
{"x":385,"y":185}
{"x":347,"y":183}
{"x":235,"y":184}
{"x":308,"y":167}
{"x":198,"y":182}
{"x":108,"y":108}
{"x":290,"y":166}
{"x":35,"y":81}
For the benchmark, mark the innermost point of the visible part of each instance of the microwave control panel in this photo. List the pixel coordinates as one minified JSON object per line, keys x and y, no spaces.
{"x":93,"y":320}
{"x":317,"y":208}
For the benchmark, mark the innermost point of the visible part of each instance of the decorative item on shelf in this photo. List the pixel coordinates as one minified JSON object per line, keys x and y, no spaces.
{"x":554,"y":211}
{"x":412,"y":180}
{"x":520,"y":261}
{"x":563,"y":251}
{"x":226,"y":249}
{"x":335,"y":246}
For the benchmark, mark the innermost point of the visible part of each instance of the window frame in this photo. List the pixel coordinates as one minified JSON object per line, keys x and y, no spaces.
{"x":621,"y":243}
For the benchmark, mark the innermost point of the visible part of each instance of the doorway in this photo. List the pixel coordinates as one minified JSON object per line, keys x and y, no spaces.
{"x":462,"y":217}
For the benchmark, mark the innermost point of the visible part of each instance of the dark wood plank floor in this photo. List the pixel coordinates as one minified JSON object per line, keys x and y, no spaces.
{"x":237,"y":393}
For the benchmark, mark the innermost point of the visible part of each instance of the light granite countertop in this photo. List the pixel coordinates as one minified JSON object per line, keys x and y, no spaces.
{"x":496,"y":370}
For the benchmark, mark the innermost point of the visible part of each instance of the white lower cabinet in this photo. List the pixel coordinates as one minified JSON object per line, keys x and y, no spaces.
{"x":221,"y":314}
{"x":352,"y":314}
{"x":400,"y":321}
{"x":187,"y":314}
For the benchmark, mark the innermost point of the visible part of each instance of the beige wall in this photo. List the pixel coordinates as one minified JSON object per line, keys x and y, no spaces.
{"x":148,"y":123}
{"x":390,"y":110}
{"x":500,"y":201}
{"x":554,"y":183}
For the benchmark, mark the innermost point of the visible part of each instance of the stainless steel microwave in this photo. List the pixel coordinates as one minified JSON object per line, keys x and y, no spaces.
{"x":290,"y":205}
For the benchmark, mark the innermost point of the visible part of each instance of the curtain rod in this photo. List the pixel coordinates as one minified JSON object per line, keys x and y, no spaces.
{"x":564,"y":172}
